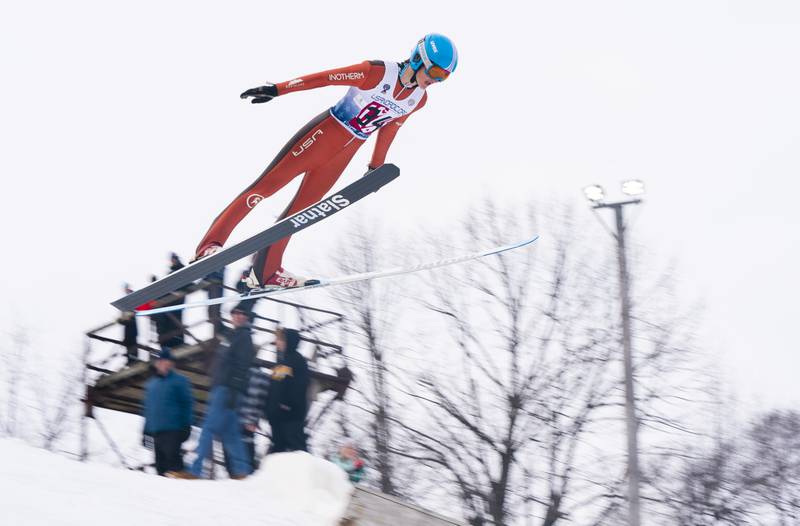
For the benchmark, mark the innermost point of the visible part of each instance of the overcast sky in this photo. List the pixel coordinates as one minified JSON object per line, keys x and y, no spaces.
{"x":123,"y":136}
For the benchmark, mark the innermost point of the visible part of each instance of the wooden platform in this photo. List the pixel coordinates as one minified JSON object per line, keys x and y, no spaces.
{"x":124,"y":390}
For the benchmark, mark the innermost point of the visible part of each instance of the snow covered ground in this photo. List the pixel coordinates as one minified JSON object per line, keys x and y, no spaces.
{"x":38,"y":487}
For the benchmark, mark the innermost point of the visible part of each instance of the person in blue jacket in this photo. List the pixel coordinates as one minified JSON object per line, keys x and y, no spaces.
{"x":167,"y":413}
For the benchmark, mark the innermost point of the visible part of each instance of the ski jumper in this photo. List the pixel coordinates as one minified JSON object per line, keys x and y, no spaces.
{"x":376,"y":102}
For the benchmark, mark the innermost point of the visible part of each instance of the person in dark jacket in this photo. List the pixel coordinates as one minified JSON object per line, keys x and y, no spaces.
{"x":287,"y":402}
{"x":130,"y":334}
{"x":242,"y":288}
{"x":172,"y":322}
{"x":229,"y":376}
{"x":214,"y":290}
{"x":167,"y":413}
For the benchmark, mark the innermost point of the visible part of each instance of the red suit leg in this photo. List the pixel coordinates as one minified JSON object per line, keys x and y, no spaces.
{"x":316,"y":183}
{"x":316,"y":144}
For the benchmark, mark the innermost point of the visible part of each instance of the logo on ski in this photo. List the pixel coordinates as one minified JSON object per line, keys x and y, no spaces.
{"x":253,"y":200}
{"x":320,"y":210}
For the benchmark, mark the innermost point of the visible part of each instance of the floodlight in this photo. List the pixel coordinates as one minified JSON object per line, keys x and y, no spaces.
{"x":633,"y":187}
{"x":594,"y":193}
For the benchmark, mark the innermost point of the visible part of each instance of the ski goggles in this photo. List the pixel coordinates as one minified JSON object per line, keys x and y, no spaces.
{"x":437,"y":73}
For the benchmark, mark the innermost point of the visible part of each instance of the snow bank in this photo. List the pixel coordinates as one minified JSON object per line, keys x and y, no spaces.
{"x":38,"y":488}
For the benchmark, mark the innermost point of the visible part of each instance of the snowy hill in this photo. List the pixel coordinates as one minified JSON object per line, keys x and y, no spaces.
{"x":38,"y":488}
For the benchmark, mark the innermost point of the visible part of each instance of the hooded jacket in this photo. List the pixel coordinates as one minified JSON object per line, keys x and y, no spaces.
{"x":288,"y":391}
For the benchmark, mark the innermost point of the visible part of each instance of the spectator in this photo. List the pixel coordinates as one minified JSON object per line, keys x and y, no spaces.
{"x":229,"y":372}
{"x":167,"y":413}
{"x":169,"y":325}
{"x":350,"y":462}
{"x":130,"y":333}
{"x":287,"y":401}
{"x":154,"y":334}
{"x":242,"y":288}
{"x":251,"y":410}
{"x":175,"y":262}
{"x":215,"y":288}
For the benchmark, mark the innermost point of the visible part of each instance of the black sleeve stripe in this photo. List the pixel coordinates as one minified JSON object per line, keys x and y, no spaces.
{"x":377,"y":63}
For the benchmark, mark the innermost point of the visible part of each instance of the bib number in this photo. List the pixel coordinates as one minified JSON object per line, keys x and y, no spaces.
{"x":373,"y":116}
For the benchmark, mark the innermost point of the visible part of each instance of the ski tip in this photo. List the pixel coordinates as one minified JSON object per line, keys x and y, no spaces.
{"x":384,"y":174}
{"x":390,"y":169}
{"x":528,"y":241}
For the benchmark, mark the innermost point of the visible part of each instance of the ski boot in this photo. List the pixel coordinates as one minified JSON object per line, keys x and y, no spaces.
{"x":280,"y":279}
{"x":211,"y":248}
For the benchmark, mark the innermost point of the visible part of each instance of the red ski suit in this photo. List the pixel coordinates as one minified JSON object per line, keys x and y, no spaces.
{"x":321,"y":150}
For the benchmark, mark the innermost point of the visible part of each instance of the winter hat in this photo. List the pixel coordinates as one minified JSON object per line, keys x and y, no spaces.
{"x":245,"y":307}
{"x":241,"y":308}
{"x":166,"y":354}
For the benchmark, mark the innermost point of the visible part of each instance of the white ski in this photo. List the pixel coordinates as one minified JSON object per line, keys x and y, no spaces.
{"x":343,"y":280}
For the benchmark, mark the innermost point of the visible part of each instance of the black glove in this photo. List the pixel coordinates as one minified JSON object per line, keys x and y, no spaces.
{"x":261,"y":94}
{"x":147,"y":442}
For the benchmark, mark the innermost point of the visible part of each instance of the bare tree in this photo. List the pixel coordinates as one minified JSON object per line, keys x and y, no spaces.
{"x":523,"y":375}
{"x":60,"y":409}
{"x":511,"y":396}
{"x":518,"y":404}
{"x":15,"y":359}
{"x":773,"y":474}
{"x":707,"y":491}
{"x":748,"y":476}
{"x":37,"y":408}
{"x":371,"y":312}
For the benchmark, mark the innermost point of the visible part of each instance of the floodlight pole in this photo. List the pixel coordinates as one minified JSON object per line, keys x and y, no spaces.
{"x":631,"y":420}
